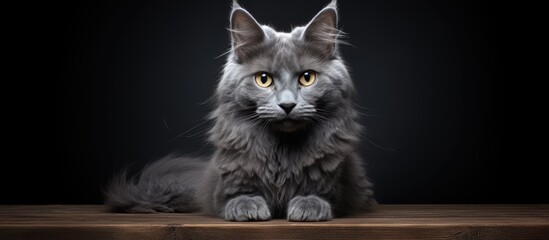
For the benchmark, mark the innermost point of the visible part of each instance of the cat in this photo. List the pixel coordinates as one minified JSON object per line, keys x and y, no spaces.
{"x":284,"y":131}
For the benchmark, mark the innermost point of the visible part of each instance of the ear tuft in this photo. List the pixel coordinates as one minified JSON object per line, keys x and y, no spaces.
{"x":236,"y":5}
{"x":332,"y":4}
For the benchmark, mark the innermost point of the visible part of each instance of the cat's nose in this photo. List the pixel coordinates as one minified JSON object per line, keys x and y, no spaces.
{"x":287,"y":107}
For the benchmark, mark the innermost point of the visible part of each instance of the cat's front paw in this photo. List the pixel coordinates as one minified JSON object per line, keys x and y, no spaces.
{"x":309,"y":209}
{"x":244,"y":208}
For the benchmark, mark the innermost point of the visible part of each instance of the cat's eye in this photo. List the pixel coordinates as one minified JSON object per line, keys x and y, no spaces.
{"x":307,"y":78}
{"x":263,"y":79}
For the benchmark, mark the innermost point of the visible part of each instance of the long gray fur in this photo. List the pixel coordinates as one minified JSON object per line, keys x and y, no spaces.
{"x":268,"y":164}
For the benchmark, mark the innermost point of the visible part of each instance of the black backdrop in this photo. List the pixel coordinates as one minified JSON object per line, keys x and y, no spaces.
{"x":102,"y":85}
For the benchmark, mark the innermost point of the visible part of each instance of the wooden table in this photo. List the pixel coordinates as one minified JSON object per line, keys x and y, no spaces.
{"x":387,"y":222}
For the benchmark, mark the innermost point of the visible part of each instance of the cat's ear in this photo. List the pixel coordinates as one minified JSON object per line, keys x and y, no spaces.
{"x":246,"y":33}
{"x":322,"y":31}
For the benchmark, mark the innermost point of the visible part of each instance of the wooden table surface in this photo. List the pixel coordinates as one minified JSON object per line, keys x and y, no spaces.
{"x":386,"y":222}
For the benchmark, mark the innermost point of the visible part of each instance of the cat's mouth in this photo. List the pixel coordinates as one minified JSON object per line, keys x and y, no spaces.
{"x":289,"y":125}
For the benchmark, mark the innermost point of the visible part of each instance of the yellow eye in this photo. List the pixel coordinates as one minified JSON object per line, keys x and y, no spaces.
{"x":263,"y":79}
{"x":307,"y":78}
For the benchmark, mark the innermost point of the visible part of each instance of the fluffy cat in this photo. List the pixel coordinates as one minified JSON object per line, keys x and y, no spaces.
{"x":284,"y":130}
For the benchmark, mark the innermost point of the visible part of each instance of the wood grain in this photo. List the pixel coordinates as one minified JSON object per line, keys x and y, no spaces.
{"x":386,"y":222}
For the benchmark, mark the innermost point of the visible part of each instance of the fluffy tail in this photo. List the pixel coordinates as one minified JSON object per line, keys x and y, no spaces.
{"x":167,"y":185}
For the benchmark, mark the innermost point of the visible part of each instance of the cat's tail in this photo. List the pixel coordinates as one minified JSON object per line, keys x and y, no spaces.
{"x":167,"y":185}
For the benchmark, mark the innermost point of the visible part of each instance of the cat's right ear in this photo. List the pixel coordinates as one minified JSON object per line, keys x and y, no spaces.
{"x":246,"y":33}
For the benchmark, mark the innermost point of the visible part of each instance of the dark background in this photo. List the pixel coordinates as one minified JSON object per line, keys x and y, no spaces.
{"x":447,"y":89}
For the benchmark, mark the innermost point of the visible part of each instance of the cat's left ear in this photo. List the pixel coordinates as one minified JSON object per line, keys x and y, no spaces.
{"x":246,"y":33}
{"x":322,"y":30}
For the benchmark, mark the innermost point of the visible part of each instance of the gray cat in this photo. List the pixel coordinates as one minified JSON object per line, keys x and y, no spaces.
{"x":285,"y":131}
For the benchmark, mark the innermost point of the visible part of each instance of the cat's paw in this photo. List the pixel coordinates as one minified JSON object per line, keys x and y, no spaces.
{"x":244,"y":208}
{"x":309,"y":209}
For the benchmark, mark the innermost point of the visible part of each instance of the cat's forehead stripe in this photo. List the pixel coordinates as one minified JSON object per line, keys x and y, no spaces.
{"x":285,"y":56}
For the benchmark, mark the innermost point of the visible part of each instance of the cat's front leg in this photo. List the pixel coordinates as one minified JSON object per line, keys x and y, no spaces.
{"x":246,"y":208}
{"x":309,"y":209}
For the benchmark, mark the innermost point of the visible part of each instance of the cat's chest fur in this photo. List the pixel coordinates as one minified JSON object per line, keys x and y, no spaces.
{"x":282,"y":182}
{"x":279,"y":174}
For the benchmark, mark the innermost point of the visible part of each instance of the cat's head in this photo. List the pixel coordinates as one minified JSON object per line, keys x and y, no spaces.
{"x":286,"y":81}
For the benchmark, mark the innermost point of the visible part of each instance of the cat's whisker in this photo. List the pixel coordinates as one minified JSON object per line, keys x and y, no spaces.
{"x":378,"y":146}
{"x":200,"y":150}
{"x":182,"y":134}
{"x":198,"y":133}
{"x":208,"y":100}
{"x":307,"y":112}
{"x":224,"y":53}
{"x":360,"y":108}
{"x":320,"y":110}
